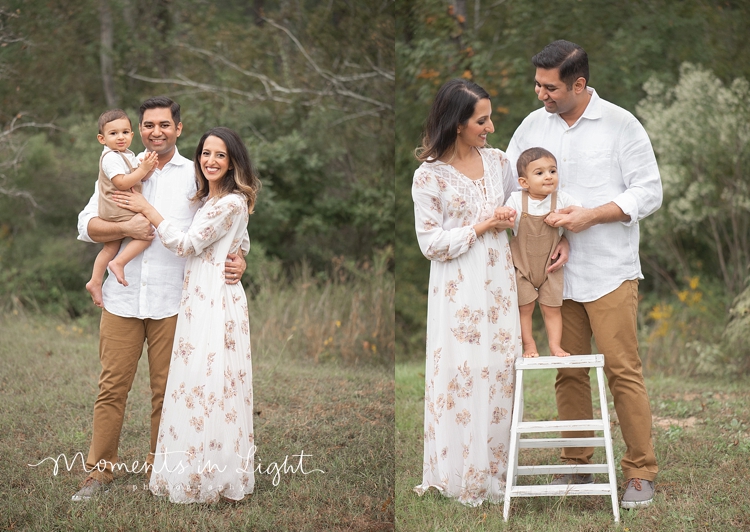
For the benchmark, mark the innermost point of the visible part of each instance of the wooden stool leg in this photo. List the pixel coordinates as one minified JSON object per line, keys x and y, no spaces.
{"x":514,"y":436}
{"x":608,"y":443}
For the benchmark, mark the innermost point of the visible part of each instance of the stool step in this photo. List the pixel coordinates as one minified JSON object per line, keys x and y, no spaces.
{"x":557,"y":491}
{"x":548,"y":362}
{"x":552,"y":443}
{"x":560,"y":469}
{"x":557,"y":426}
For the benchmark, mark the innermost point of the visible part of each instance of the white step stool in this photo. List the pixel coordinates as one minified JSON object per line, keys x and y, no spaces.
{"x":518,"y":427}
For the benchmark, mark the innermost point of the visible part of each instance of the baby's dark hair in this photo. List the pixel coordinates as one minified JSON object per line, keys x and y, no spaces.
{"x":529,"y":156}
{"x":108,"y":116}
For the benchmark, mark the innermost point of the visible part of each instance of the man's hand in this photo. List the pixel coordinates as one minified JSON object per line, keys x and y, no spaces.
{"x":573,"y":218}
{"x":139,"y":228}
{"x":560,"y":255}
{"x":577,"y":219}
{"x":235,"y":267}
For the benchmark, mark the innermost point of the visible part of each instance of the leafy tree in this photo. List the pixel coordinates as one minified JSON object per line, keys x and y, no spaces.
{"x":492,"y":42}
{"x":700,"y":130}
{"x":308,"y":85}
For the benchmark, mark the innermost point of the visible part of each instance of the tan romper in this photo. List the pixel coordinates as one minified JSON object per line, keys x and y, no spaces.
{"x":532,"y":249}
{"x":108,"y":209}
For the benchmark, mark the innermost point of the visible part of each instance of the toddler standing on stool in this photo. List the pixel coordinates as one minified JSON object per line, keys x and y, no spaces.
{"x":534,"y":242}
{"x":119,"y":169}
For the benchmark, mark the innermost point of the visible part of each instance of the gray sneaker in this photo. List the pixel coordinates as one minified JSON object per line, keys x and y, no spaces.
{"x":571,"y":478}
{"x":90,"y":488}
{"x":639,"y":493}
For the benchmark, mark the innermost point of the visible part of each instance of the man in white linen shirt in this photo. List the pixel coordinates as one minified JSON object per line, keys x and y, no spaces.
{"x":145,"y":310}
{"x":605,"y":160}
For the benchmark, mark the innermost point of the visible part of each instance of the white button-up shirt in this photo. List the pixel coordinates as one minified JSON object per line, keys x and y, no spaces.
{"x":606,"y":156}
{"x":155,"y":276}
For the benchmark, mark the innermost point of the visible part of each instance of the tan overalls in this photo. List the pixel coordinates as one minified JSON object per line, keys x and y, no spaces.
{"x":108,"y":209}
{"x":532,"y":249}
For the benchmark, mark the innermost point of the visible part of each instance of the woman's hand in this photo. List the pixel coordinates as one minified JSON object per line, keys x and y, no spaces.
{"x":234,"y":268}
{"x":495,"y":223}
{"x":132,"y":201}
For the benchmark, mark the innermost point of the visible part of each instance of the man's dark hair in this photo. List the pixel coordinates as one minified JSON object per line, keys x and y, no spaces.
{"x":567,"y":56}
{"x":453,"y":106}
{"x":160,"y":102}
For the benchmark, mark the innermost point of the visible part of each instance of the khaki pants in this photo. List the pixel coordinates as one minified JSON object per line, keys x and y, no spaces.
{"x":120,"y":347}
{"x":612,"y":319}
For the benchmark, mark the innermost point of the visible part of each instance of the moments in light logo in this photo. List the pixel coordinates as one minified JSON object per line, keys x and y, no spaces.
{"x":274,"y":469}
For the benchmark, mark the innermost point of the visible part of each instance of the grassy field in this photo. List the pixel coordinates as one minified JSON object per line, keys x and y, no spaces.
{"x":702,"y":445}
{"x":341,"y":416}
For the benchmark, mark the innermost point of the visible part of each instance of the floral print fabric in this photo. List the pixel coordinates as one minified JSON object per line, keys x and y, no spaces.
{"x":205,"y":446}
{"x":473,"y":330}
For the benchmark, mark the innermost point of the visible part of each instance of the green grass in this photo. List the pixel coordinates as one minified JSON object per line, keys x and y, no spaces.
{"x":340,"y":415}
{"x":702,"y":446}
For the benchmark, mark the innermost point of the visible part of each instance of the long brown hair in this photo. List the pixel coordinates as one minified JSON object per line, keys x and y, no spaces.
{"x":453,"y":106}
{"x":240,"y":178}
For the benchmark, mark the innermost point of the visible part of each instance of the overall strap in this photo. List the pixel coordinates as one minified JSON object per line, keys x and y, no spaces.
{"x":553,"y":202}
{"x":130,"y":167}
{"x":525,"y":201}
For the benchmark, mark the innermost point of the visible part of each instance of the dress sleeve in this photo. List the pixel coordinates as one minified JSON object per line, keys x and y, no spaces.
{"x":435,"y":242}
{"x":210,"y":224}
{"x":245,"y":244}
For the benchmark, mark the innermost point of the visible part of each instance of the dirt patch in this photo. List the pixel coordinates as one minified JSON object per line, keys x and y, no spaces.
{"x":666,"y":422}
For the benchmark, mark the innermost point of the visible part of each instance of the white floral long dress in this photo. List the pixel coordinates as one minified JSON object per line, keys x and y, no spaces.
{"x":205,"y":446}
{"x":473,"y":330}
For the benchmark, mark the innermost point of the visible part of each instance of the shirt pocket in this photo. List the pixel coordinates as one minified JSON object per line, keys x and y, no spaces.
{"x":591,"y":169}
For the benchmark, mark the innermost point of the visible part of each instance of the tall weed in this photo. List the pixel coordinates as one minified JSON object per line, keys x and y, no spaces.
{"x":681,"y":333}
{"x":345,"y":316}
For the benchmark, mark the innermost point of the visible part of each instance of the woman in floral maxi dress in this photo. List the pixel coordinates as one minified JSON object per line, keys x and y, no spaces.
{"x":473,"y":329}
{"x":205,"y":446}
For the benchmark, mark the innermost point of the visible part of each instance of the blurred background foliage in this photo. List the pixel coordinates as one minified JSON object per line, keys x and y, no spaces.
{"x":308,"y":85}
{"x":681,"y":68}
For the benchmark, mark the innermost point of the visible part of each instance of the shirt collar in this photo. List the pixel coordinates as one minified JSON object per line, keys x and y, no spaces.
{"x":177,"y":159}
{"x":593,"y":110}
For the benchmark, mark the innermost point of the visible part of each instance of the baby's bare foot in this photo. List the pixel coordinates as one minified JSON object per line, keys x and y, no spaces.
{"x":529,"y":351}
{"x":119,"y":272}
{"x":558,"y":351}
{"x":95,"y":289}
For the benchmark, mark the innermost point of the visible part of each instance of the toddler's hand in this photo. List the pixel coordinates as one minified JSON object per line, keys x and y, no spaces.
{"x":150,"y":160}
{"x":504,"y":213}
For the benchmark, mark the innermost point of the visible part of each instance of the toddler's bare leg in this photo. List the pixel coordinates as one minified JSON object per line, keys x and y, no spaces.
{"x":131,"y":251}
{"x":94,"y":286}
{"x":553,"y":324}
{"x":529,"y":345}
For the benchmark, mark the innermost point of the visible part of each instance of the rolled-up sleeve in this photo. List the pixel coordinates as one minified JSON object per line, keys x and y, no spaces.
{"x":640,"y":173}
{"x":436,"y":243}
{"x":91,"y":210}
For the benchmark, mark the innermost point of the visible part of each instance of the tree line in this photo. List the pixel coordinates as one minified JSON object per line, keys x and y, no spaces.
{"x":680,"y":67}
{"x":308,"y":85}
